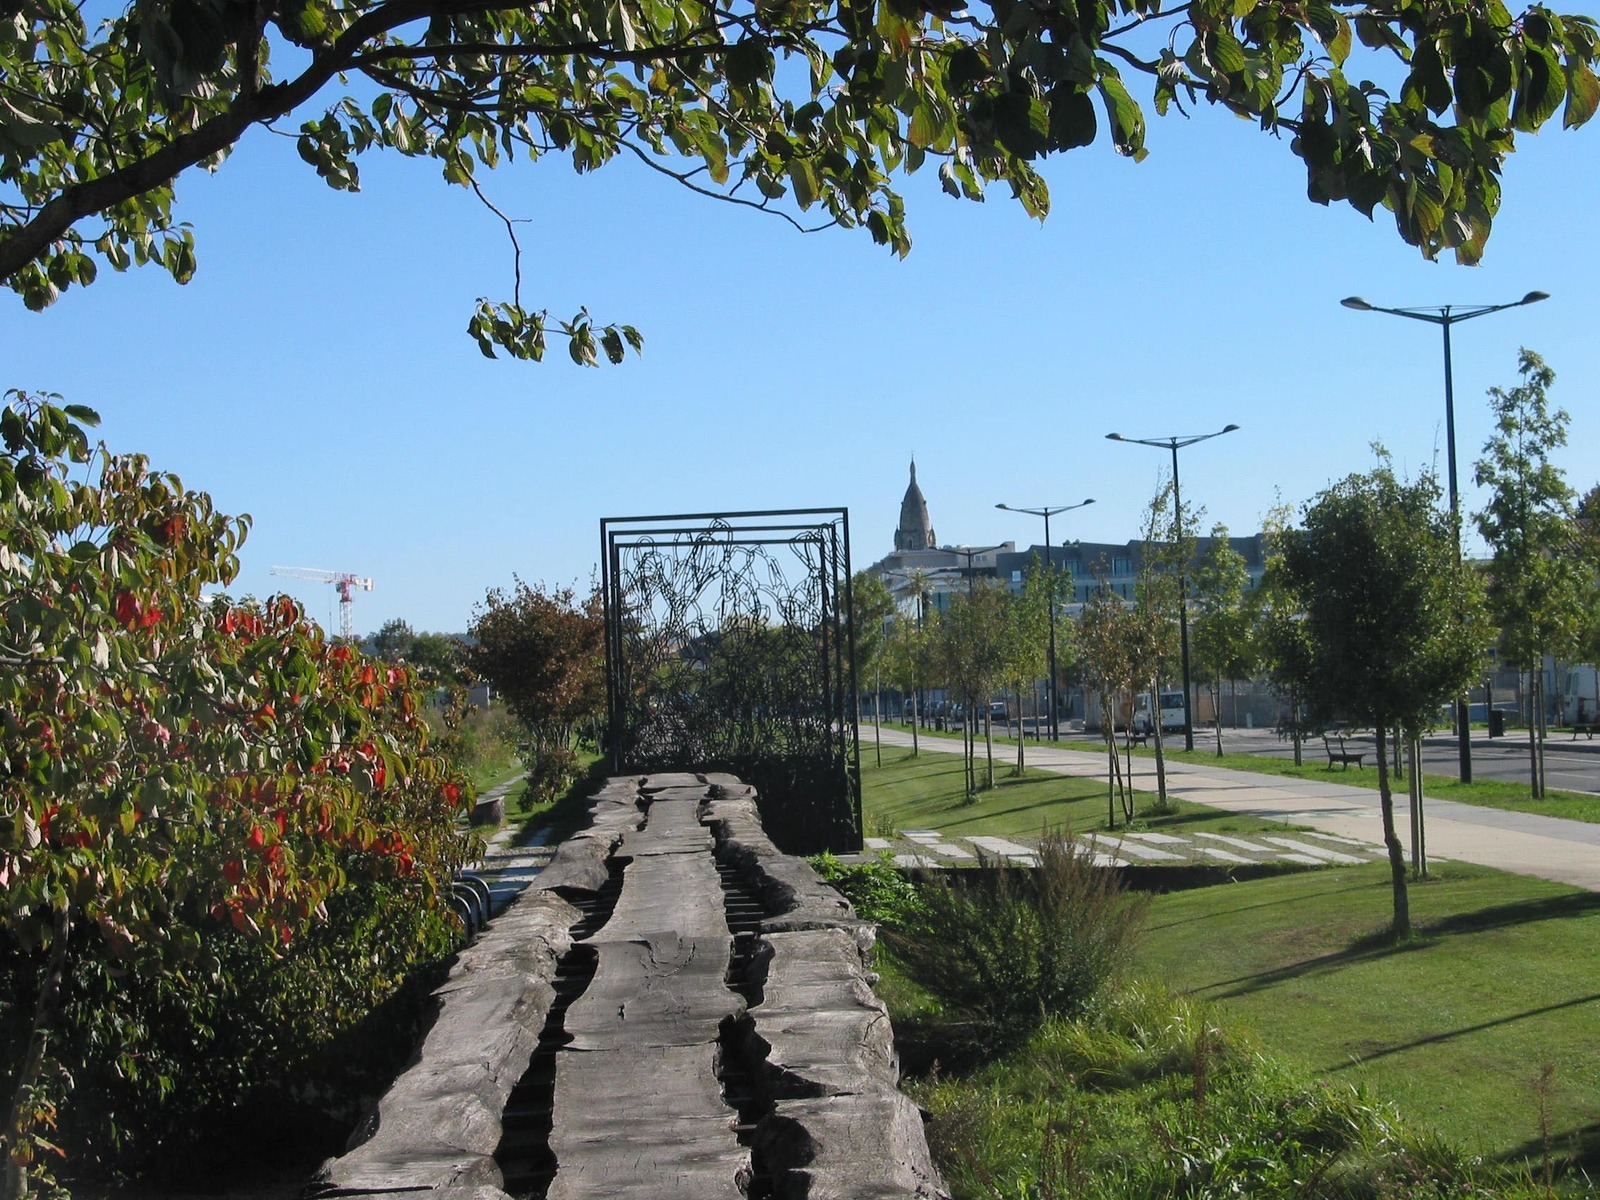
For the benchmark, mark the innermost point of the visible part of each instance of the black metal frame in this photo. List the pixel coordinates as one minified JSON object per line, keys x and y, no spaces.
{"x":721,"y":655}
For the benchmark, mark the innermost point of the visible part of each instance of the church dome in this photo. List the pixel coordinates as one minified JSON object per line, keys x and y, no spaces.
{"x":916,"y":528}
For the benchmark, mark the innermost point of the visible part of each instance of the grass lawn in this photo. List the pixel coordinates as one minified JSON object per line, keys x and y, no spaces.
{"x":1490,"y":793}
{"x":927,"y":792}
{"x":1454,"y":1027}
{"x":1575,"y":806}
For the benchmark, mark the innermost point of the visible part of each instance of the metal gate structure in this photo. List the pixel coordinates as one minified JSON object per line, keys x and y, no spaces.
{"x":729,"y":648}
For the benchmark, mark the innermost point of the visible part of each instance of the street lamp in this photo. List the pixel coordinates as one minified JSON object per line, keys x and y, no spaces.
{"x":1444,"y":316}
{"x":1047,"y":511}
{"x":969,"y":553}
{"x":1175,"y":444}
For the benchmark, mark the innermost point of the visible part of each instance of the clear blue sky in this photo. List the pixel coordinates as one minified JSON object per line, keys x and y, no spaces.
{"x":317,"y":375}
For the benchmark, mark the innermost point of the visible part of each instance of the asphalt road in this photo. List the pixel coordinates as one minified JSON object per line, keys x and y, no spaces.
{"x":1572,"y":766}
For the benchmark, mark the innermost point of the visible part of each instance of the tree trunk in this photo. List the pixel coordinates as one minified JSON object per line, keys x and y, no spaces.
{"x":1022,"y":738}
{"x":1401,"y":926}
{"x":916,"y":722}
{"x":877,"y":715}
{"x":18,"y":1131}
{"x":1161,"y":757}
{"x":988,"y":748}
{"x":1294,"y":724}
{"x":1216,"y":705}
{"x":1113,"y":773}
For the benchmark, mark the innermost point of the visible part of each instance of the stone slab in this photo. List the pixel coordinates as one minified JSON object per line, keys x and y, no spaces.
{"x":1321,"y":852}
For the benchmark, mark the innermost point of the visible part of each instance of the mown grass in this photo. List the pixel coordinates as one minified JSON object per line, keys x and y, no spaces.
{"x":928,"y":792}
{"x":1489,"y":793}
{"x":1455,"y":1026}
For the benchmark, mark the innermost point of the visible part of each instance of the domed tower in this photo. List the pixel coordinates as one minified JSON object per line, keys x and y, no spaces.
{"x":916,"y":529}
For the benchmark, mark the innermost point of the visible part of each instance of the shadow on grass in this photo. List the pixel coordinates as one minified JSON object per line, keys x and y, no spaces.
{"x":1382,"y":943}
{"x":1464,"y":1031}
{"x":1577,"y":1148}
{"x":1545,"y":908}
{"x":1297,"y":898}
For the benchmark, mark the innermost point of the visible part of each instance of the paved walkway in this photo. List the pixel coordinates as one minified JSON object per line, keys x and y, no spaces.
{"x":1544,"y":847}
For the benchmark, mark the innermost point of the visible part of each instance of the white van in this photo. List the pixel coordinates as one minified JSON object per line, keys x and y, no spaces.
{"x":1171,"y":712}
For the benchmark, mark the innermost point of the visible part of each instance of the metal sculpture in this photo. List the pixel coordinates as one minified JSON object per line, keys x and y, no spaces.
{"x":728,"y":648}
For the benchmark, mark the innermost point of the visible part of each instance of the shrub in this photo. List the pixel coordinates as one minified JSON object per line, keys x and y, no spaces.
{"x":1017,"y":944}
{"x":878,"y":890}
{"x":552,"y":770}
{"x":219,"y":828}
{"x":1145,"y":1098}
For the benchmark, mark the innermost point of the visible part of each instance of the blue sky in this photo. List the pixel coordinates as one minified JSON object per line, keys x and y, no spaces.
{"x":317,"y":375}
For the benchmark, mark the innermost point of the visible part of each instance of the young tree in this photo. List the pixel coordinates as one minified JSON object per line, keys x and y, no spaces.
{"x":1396,"y":626}
{"x":176,"y":771}
{"x":1281,"y":632}
{"x":1105,"y":641}
{"x":822,"y":101}
{"x":870,"y":616}
{"x":1222,"y":631}
{"x":1026,"y":617}
{"x":1167,"y":551}
{"x":1536,"y":584}
{"x":972,"y":637}
{"x":907,"y":661}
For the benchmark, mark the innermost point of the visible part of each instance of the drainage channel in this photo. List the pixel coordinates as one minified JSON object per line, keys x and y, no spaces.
{"x":741,"y":1079}
{"x":526,"y":1162}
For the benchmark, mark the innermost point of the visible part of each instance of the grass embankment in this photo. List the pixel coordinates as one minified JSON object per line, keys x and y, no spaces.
{"x":928,"y":792}
{"x":1491,"y":793}
{"x":1454,"y":1026}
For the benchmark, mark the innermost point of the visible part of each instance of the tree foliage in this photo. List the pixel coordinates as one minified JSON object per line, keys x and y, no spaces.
{"x":1223,"y":632}
{"x":1396,"y":626}
{"x":1537,"y":584}
{"x":543,"y":651}
{"x":176,"y":769}
{"x":808,"y":108}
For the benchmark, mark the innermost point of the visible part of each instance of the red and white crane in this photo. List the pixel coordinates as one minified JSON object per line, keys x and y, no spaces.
{"x":344,"y":581}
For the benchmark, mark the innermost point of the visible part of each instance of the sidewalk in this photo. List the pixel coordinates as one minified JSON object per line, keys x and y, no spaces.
{"x":1544,"y":847}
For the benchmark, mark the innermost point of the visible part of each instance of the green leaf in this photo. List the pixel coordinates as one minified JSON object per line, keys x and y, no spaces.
{"x":803,"y":176}
{"x":1127,"y":120}
{"x":1583,"y":93}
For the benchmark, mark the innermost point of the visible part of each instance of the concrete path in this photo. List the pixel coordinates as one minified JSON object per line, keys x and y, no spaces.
{"x":1544,"y":847}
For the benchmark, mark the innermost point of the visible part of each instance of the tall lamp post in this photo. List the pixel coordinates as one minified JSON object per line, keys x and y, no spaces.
{"x":1047,"y":511}
{"x":1444,"y":316}
{"x":1174,"y":444}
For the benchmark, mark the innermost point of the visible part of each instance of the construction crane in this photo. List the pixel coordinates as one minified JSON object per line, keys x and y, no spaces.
{"x":344,"y":581}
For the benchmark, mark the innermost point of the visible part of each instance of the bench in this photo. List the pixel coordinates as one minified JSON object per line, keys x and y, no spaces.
{"x":1139,"y":737}
{"x":1586,"y":725}
{"x":1341,"y":756}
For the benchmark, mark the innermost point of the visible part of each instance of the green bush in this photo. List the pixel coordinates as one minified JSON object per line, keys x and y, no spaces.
{"x":160,"y":1070}
{"x":1144,"y":1098}
{"x":1019,"y":944}
{"x":552,"y":770}
{"x":878,"y":890}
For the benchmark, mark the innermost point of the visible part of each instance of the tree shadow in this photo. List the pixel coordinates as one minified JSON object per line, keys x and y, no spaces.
{"x":1451,"y":1035}
{"x":1297,"y":898}
{"x":1425,"y":935}
{"x":1577,"y":1148}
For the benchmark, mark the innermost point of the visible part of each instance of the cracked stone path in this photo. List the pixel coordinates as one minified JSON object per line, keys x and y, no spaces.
{"x":1338,"y":819}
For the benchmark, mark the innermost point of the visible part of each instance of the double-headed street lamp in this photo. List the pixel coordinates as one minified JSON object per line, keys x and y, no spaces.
{"x":1444,"y":316}
{"x":1047,"y":511}
{"x":1175,"y":444}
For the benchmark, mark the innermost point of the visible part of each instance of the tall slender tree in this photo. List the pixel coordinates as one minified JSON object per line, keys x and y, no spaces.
{"x":1396,"y":628}
{"x":1223,"y":630}
{"x":1536,"y":583}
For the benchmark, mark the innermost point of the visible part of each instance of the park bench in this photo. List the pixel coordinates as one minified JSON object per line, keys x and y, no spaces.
{"x":1583,"y":725}
{"x":1341,"y":756}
